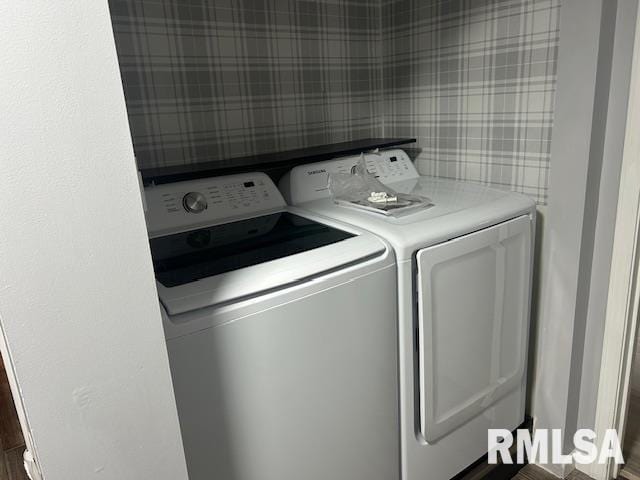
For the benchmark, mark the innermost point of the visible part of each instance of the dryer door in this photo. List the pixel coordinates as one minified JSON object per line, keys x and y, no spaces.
{"x":473,"y":318}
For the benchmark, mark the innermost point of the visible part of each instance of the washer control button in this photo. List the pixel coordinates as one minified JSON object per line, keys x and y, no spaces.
{"x":194,"y":202}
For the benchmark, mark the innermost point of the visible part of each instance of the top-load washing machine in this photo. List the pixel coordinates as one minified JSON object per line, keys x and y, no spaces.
{"x":464,"y":274}
{"x":281,"y":334}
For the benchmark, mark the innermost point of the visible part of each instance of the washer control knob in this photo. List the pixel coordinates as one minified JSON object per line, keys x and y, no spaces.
{"x":194,"y":202}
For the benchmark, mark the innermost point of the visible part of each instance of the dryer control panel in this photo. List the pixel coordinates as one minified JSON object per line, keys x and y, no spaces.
{"x":310,"y":182}
{"x":183,"y":205}
{"x":391,"y":166}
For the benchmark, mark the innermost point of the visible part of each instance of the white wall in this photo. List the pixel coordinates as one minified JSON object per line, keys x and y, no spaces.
{"x":635,"y":369}
{"x":577,"y":68}
{"x":586,"y":148}
{"x":612,"y":139}
{"x":77,"y":298}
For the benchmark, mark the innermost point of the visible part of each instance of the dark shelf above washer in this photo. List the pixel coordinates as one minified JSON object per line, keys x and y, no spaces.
{"x":273,"y":164}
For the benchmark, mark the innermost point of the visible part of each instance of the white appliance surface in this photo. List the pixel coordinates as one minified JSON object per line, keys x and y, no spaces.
{"x":464,"y":272}
{"x":284,"y":365}
{"x":458,"y":207}
{"x":239,"y":206}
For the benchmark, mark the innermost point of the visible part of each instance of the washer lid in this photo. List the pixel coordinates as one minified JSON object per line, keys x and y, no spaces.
{"x":222,"y":263}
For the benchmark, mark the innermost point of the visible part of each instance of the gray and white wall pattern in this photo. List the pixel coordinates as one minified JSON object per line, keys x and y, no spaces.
{"x":472,"y":80}
{"x":207,"y":80}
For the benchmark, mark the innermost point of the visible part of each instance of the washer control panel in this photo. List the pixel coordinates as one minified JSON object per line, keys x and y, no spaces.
{"x":310,"y":182}
{"x":178,"y":206}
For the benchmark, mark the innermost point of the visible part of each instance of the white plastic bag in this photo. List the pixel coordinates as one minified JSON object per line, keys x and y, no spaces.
{"x":361,"y":189}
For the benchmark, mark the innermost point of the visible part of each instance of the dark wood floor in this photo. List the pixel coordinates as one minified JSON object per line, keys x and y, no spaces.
{"x":11,"y":440}
{"x":531,"y":472}
{"x":631,"y":445}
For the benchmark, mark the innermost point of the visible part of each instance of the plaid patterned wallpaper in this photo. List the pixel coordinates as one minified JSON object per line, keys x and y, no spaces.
{"x":474,"y":81}
{"x":217,"y":79}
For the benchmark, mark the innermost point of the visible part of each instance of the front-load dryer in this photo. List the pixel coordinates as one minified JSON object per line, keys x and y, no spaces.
{"x":281,"y":333}
{"x":464,"y":276}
